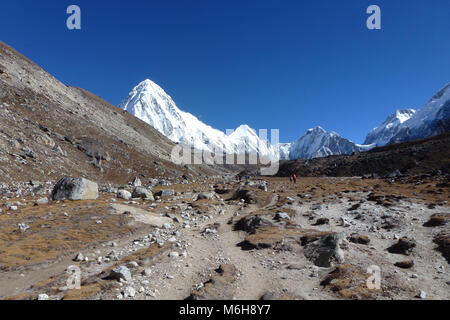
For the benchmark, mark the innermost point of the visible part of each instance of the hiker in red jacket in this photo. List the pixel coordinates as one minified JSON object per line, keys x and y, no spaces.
{"x":294,"y":177}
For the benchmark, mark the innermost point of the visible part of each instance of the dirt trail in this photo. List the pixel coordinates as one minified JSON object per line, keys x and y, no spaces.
{"x":206,"y":253}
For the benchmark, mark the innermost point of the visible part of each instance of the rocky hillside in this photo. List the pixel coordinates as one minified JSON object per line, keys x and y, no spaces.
{"x":424,"y":156}
{"x":49,"y":130}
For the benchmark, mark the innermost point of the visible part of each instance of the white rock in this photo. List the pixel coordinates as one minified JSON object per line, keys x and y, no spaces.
{"x":42,"y":296}
{"x":79,"y":257}
{"x":42,"y":201}
{"x":124,"y":194}
{"x":147,"y":272}
{"x":23,"y":227}
{"x":344,"y":222}
{"x":129,"y":292}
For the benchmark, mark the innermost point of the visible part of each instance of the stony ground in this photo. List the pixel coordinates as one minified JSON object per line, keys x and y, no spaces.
{"x":262,"y":239}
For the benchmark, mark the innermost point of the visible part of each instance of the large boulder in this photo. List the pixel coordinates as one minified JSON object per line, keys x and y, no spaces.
{"x":165,"y":193}
{"x":141,"y":192}
{"x":205,"y":195}
{"x":74,"y":189}
{"x":120,"y":272}
{"x":124,"y":194}
{"x":404,"y":246}
{"x":325,"y":251}
{"x":136,"y":182}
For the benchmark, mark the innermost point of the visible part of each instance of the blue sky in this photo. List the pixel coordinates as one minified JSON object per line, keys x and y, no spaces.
{"x":280,"y":64}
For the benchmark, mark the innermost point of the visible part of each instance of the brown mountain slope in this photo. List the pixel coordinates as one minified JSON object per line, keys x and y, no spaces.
{"x":49,"y":130}
{"x":425,"y":156}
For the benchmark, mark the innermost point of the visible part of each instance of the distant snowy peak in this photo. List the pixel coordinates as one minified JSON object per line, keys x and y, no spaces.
{"x":284,"y":150}
{"x":382,"y":134}
{"x":318,"y":142}
{"x":150,"y":103}
{"x":431,"y":119}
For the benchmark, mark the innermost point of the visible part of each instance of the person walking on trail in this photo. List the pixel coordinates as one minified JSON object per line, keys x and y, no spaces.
{"x":294,"y":177}
{"x":290,"y":177}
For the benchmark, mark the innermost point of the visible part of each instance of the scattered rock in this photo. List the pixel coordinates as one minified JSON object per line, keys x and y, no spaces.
{"x":74,"y":189}
{"x":120,"y":272}
{"x":344,"y":222}
{"x":165,"y":193}
{"x":322,"y":221}
{"x":281,"y":216}
{"x":23,"y":227}
{"x":325,"y":251}
{"x":438,"y":219}
{"x":404,"y":264}
{"x":43,"y":296}
{"x":79,"y":257}
{"x":129,"y":292}
{"x":124,"y":194}
{"x":205,"y":195}
{"x":141,"y":192}
{"x":422,"y":295}
{"x":360,"y":239}
{"x":443,"y":241}
{"x":136,"y":182}
{"x":42,"y":201}
{"x":403,"y":246}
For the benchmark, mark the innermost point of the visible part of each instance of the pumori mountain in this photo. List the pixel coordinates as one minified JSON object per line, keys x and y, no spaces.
{"x":404,"y":125}
{"x":150,"y":103}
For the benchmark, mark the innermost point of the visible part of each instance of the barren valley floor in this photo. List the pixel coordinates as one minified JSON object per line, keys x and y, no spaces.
{"x":267,"y":238}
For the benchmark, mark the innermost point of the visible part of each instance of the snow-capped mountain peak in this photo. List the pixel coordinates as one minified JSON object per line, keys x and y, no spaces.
{"x":317,"y":142}
{"x":431,"y":119}
{"x":150,"y":103}
{"x":382,"y":134}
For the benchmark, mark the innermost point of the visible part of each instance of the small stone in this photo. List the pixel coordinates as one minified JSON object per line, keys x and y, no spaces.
{"x":404,"y":264}
{"x":23,"y":227}
{"x":147,"y":272}
{"x":282,"y":215}
{"x":120,"y":272}
{"x":124,"y":194}
{"x":42,"y":296}
{"x":174,"y":254}
{"x":129,"y":292}
{"x":422,"y":295}
{"x":42,"y":201}
{"x":344,"y":223}
{"x":403,"y":246}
